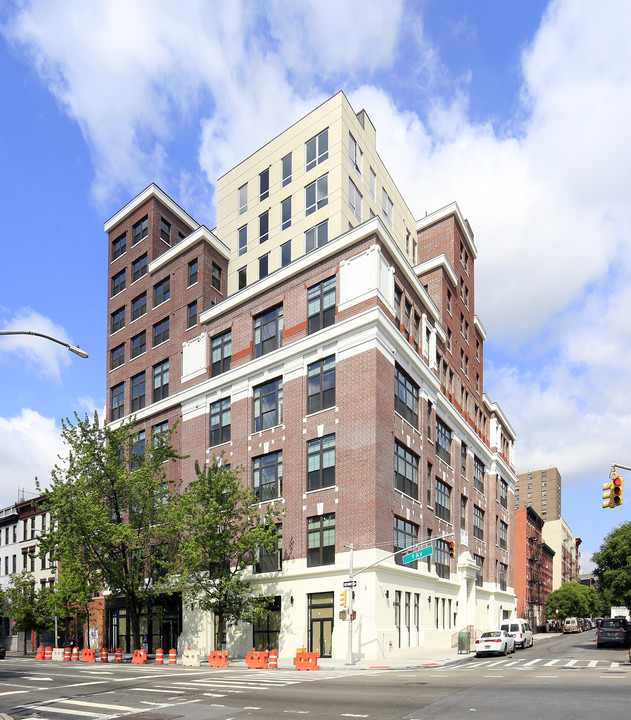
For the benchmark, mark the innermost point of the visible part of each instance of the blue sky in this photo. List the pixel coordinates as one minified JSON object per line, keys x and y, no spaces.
{"x":518,"y":111}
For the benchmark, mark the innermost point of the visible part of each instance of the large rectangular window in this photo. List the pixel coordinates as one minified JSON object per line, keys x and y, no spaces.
{"x":406,"y":397}
{"x":221,"y":351}
{"x":317,"y":150}
{"x":478,"y":523}
{"x":140,"y":230}
{"x":441,"y":558}
{"x":321,"y":305}
{"x":161,"y":381}
{"x":165,"y":231}
{"x":405,"y":535}
{"x":161,"y":332}
{"x":161,"y":291}
{"x":137,"y":449}
{"x":405,"y":471}
{"x":268,"y":331}
{"x":243,"y":198}
{"x":268,"y":476}
{"x":504,"y":493}
{"x":503,"y":574}
{"x":478,"y":475}
{"x":117,"y":357}
{"x":220,"y":421}
{"x":117,"y":401}
{"x":215,"y":277}
{"x":443,"y":441}
{"x":268,"y":405}
{"x":264,"y":184}
{"x":354,"y":200}
{"x":321,"y":540}
{"x":286,"y":170}
{"x":138,"y":392}
{"x":503,"y":535}
{"x":243,"y":239}
{"x":321,"y":462}
{"x":387,"y":207}
{"x":193,"y":269}
{"x":321,"y":384}
{"x":317,"y":236}
{"x":139,"y":344}
{"x":479,"y":577}
{"x":118,"y":282}
{"x":316,"y":194}
{"x":139,"y":306}
{"x":191,"y":314}
{"x":264,"y":227}
{"x":442,"y":500}
{"x":119,"y":246}
{"x":285,"y":213}
{"x":285,"y":253}
{"x":118,"y":319}
{"x":271,"y":560}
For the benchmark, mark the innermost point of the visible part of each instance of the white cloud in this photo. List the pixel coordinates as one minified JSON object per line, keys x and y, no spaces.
{"x":29,"y":448}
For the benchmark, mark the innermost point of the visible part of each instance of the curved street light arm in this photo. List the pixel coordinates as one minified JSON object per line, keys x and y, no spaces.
{"x":73,"y":349}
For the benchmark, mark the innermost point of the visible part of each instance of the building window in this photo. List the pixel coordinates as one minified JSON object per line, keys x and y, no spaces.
{"x":161,"y":381}
{"x":243,"y":198}
{"x":503,"y":535}
{"x":118,"y":319}
{"x":321,"y":384}
{"x":441,"y":558}
{"x":263,"y":266}
{"x":504,"y":493}
{"x":478,"y":475}
{"x":321,"y":462}
{"x":117,"y":401}
{"x":221,"y":351}
{"x":479,"y":578}
{"x":161,"y":291}
{"x":285,"y":213}
{"x":503,"y":572}
{"x":161,"y":332}
{"x":285,"y":253}
{"x":242,"y":277}
{"x":119,"y":246}
{"x":268,"y":331}
{"x":373,"y":183}
{"x":271,"y":560}
{"x":138,"y":392}
{"x":443,"y":441}
{"x":140,"y":230}
{"x":463,"y":512}
{"x":264,"y":227}
{"x":243,"y":239}
{"x":354,"y":154}
{"x":159,"y":435}
{"x":286,"y":170}
{"x":165,"y":231}
{"x":387,"y":207}
{"x":268,"y":405}
{"x":406,"y":397}
{"x":139,"y":344}
{"x":321,"y":305}
{"x":192,"y":272}
{"x":117,"y":357}
{"x":463,"y":460}
{"x":316,"y":195}
{"x":215,"y":278}
{"x":321,"y":540}
{"x":317,"y":236}
{"x":405,"y":535}
{"x":191,"y":314}
{"x":139,"y":306}
{"x":478,"y":523}
{"x":264,"y":184}
{"x":405,"y":471}
{"x":442,"y":500}
{"x":137,"y":450}
{"x":354,"y":200}
{"x":317,"y":149}
{"x":118,"y":282}
{"x":268,"y":476}
{"x":220,"y":419}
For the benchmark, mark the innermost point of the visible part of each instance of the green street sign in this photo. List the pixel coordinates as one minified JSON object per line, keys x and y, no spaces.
{"x":418,"y":554}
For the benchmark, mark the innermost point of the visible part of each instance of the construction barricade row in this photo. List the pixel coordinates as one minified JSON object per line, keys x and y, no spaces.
{"x":306,"y":660}
{"x":218,"y":659}
{"x":88,"y":655}
{"x":256,"y":659}
{"x":139,"y":657}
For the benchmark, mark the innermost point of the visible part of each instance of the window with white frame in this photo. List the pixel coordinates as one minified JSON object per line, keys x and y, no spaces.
{"x":355,"y":154}
{"x":321,"y":462}
{"x":387,"y":207}
{"x":317,"y":194}
{"x":243,"y":198}
{"x":405,"y":471}
{"x":268,"y":331}
{"x":317,"y":236}
{"x":478,"y":475}
{"x":268,"y":404}
{"x":442,"y":500}
{"x":354,"y":200}
{"x":268,"y":476}
{"x":478,"y":523}
{"x":317,"y":150}
{"x":443,"y":441}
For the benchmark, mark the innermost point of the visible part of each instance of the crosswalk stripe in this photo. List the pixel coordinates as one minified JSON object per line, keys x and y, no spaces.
{"x":570,"y":663}
{"x":533,"y":662}
{"x":551,"y":662}
{"x":592,"y":663}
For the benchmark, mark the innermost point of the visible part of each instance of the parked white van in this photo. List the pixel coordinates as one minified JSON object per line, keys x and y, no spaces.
{"x":571,"y":625}
{"x":520,"y":630}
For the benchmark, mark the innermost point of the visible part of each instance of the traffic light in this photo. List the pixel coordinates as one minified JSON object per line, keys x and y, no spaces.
{"x":343,"y":598}
{"x":612,"y":492}
{"x":452,"y":549}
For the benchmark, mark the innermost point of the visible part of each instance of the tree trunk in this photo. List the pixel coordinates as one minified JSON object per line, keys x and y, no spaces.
{"x":220,"y":629}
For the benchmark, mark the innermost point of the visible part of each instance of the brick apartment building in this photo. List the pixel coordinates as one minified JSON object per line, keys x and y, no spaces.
{"x":533,"y":564}
{"x":327,"y":343}
{"x":541,"y":489}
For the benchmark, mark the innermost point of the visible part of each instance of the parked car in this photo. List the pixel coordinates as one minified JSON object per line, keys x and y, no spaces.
{"x":494,"y":642}
{"x":571,"y":625}
{"x":613,"y":631}
{"x":3,"y":652}
{"x":520,"y":629}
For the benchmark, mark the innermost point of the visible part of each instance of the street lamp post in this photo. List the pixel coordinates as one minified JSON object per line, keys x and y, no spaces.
{"x":73,"y":349}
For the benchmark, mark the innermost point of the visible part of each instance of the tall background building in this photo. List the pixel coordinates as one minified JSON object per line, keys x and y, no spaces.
{"x":541,"y":490}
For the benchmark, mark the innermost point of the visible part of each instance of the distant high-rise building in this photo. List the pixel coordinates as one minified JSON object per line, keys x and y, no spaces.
{"x":541,"y":490}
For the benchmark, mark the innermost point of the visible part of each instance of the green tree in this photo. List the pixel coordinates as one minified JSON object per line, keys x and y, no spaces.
{"x":223,"y":529}
{"x":613,"y":566}
{"x":27,"y":607}
{"x":572,"y":600}
{"x":109,"y":505}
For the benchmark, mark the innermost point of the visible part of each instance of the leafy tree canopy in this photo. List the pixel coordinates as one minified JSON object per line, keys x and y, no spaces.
{"x":573,"y":600}
{"x":613,"y":565}
{"x":28,"y":607}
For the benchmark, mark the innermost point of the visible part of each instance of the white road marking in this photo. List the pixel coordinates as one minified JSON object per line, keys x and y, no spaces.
{"x":532,"y":662}
{"x":98,"y":705}
{"x":592,"y":663}
{"x":570,"y":663}
{"x":551,"y":662}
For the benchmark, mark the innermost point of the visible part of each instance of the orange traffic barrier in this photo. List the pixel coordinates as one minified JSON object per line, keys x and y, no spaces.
{"x":273,"y":659}
{"x":104,"y":656}
{"x":88,"y":655}
{"x":75,"y":653}
{"x":118,"y":655}
{"x":48,"y":653}
{"x":40,"y":653}
{"x":218,"y":658}
{"x":67,"y":654}
{"x":255,"y":659}
{"x":306,"y":660}
{"x":172,"y":656}
{"x":139,"y":657}
{"x":159,"y":656}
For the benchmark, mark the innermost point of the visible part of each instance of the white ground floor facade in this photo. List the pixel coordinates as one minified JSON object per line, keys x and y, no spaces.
{"x":397,"y":610}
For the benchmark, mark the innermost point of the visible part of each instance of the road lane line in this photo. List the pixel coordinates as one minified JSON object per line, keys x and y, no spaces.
{"x":83,"y":703}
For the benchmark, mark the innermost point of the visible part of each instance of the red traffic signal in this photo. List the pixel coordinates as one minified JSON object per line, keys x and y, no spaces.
{"x":612,"y":492}
{"x":452,"y":549}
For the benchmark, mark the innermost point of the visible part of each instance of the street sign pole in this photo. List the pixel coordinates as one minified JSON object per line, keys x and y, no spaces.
{"x":349,"y":648}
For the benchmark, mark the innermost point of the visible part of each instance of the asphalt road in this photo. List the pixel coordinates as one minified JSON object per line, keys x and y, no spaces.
{"x":560,"y":677}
